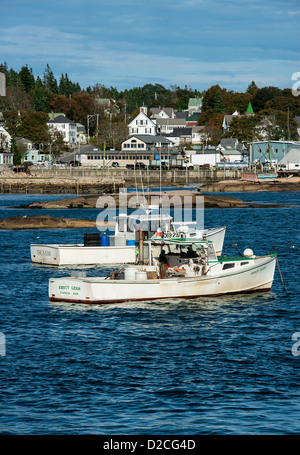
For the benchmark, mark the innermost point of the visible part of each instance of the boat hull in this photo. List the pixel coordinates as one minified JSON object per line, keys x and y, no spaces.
{"x":82,"y":255}
{"x":79,"y":254}
{"x":257,"y":277}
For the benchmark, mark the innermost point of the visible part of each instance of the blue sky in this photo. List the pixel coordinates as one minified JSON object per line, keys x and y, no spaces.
{"x":129,"y":43}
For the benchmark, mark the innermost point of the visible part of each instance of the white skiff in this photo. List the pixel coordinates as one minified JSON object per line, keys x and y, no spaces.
{"x":121,"y":248}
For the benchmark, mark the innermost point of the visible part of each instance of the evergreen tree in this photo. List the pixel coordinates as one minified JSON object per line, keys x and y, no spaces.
{"x":17,"y":154}
{"x":49,"y":80}
{"x":27,"y":79}
{"x":218,"y":105}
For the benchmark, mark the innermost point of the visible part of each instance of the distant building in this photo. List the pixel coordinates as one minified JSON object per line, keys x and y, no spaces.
{"x":265,"y":151}
{"x":5,"y":140}
{"x":162,"y":113}
{"x":231,"y":150}
{"x":142,"y":124}
{"x":291,"y":160}
{"x":65,"y":126}
{"x":2,"y":84}
{"x":195,"y":105}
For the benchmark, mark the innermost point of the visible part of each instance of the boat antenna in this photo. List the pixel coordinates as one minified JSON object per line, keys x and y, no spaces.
{"x":233,"y":243}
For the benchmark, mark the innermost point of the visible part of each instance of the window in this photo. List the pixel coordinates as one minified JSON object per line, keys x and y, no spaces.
{"x":244,"y":263}
{"x":228,"y":266}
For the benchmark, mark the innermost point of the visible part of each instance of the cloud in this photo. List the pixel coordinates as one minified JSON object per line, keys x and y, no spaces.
{"x":294,"y":13}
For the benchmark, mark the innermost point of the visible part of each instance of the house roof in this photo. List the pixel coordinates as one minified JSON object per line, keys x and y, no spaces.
{"x":228,"y":144}
{"x":150,"y":139}
{"x":157,"y":110}
{"x":194,"y":117}
{"x":61,"y":119}
{"x":53,"y":115}
{"x":181,"y":114}
{"x":27,"y":141}
{"x":297,"y":119}
{"x":293,"y":156}
{"x":178,"y":132}
{"x":170,"y":121}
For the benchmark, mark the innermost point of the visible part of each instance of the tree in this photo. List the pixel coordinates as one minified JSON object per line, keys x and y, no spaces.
{"x":82,"y":105}
{"x":56,"y":144}
{"x":11,"y":122}
{"x":252,"y":89}
{"x":218,"y":105}
{"x":18,"y":154}
{"x":282,"y":124}
{"x":60,"y":103}
{"x":209,"y":96}
{"x":262,"y":96}
{"x":66,"y":87}
{"x":33,"y":126}
{"x":111,"y":134}
{"x":243,"y":128}
{"x":27,"y":79}
{"x":17,"y":99}
{"x":49,"y":80}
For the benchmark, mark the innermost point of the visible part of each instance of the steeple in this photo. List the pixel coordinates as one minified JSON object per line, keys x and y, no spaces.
{"x":249,"y":110}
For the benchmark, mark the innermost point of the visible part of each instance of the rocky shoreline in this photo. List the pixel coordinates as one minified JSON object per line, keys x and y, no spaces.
{"x":33,"y":185}
{"x":244,"y":186}
{"x":47,"y":222}
{"x":186,"y":197}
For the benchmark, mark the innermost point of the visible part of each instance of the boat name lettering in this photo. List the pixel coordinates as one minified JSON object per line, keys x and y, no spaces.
{"x":75,"y":288}
{"x":63,"y":287}
{"x":43,"y":253}
{"x":258,"y":270}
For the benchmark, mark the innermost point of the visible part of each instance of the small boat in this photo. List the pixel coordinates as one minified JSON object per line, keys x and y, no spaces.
{"x":121,"y":248}
{"x":194,"y":270}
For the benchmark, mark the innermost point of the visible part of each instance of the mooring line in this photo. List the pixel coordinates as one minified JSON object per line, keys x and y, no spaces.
{"x":280,"y":273}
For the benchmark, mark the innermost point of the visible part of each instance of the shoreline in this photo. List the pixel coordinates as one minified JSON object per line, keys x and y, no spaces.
{"x":246,"y":186}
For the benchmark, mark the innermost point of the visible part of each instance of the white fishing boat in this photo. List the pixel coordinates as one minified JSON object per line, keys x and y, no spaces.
{"x":194,"y":270}
{"x":122,"y":246}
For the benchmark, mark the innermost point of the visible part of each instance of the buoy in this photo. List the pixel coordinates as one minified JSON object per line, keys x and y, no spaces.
{"x":158,"y":233}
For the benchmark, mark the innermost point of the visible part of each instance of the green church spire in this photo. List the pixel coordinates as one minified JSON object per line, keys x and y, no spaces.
{"x":249,"y":110}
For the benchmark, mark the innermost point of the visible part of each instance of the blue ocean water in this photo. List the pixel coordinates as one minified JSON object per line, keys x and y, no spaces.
{"x":221,"y":365}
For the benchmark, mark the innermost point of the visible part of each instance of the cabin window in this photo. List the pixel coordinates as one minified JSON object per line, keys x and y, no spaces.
{"x":228,"y":266}
{"x":244,"y":263}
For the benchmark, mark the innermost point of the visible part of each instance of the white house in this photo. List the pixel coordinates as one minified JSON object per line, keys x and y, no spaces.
{"x":142,"y":124}
{"x":231,"y":150}
{"x":145,"y":142}
{"x":5,"y":139}
{"x":67,"y":127}
{"x":6,"y":157}
{"x":291,"y":160}
{"x":228,"y":119}
{"x":162,"y":113}
{"x":167,"y":125}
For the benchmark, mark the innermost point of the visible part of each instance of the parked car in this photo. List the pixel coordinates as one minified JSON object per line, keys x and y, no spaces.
{"x":115,"y":164}
{"x":59,"y":164}
{"x":137,"y":165}
{"x":75,"y":163}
